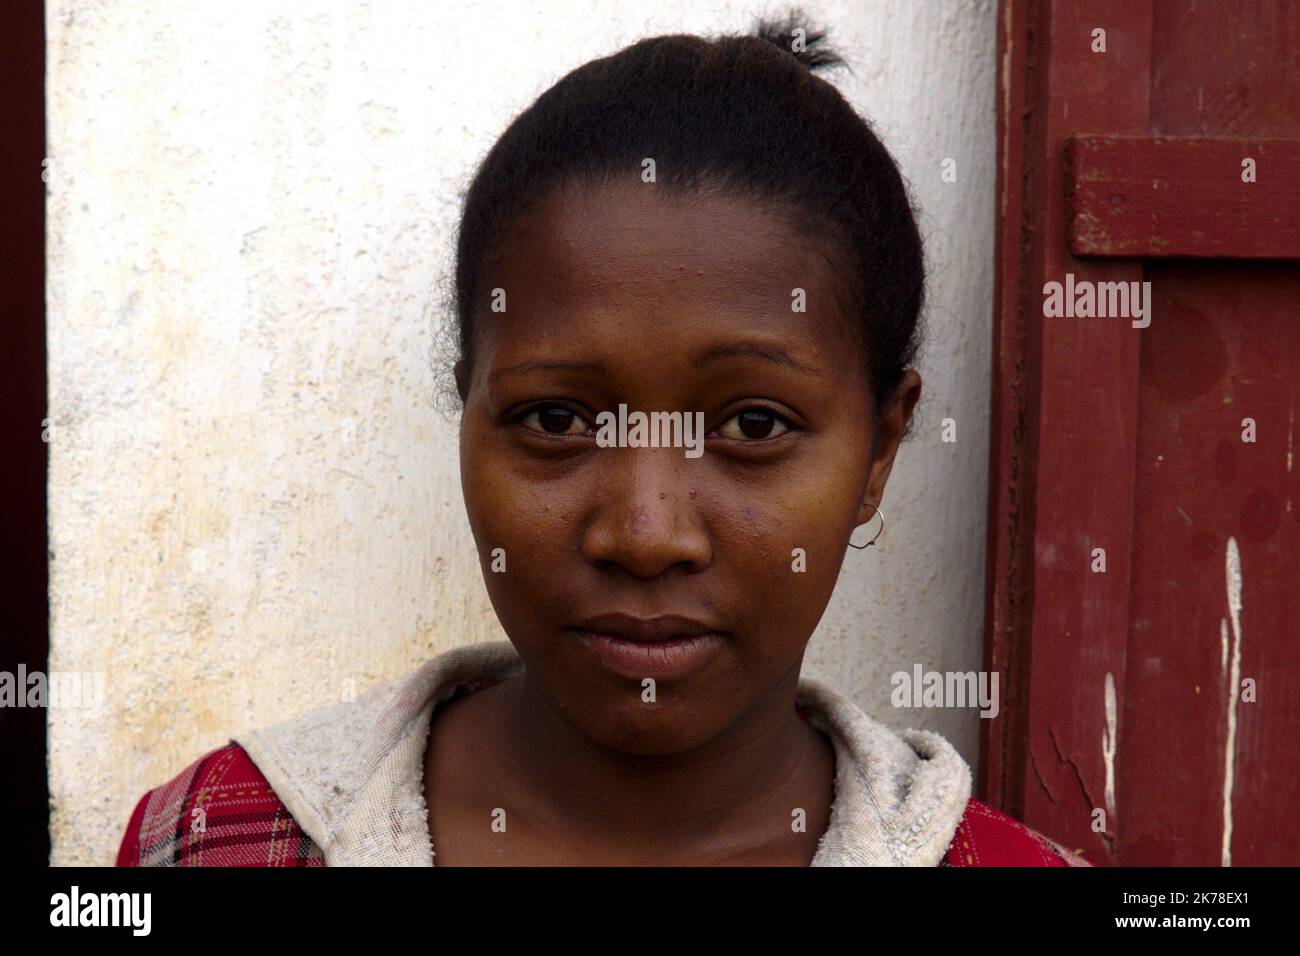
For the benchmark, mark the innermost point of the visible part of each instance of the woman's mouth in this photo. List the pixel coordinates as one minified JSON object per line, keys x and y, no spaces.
{"x":661,"y":648}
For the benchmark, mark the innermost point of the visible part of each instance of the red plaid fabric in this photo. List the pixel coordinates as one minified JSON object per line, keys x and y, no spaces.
{"x":220,"y":811}
{"x":988,"y":837}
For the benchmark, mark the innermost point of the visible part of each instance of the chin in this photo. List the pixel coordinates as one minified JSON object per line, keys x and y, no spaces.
{"x":614,"y":716}
{"x":645,"y":733}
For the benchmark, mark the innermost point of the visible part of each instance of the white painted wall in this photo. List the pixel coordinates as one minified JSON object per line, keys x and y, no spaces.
{"x":252,"y":498}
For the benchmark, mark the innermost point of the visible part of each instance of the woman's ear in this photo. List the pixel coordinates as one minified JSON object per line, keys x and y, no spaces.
{"x":461,"y":371}
{"x":894,"y":419}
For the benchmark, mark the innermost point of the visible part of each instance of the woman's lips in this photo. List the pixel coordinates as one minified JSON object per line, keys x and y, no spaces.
{"x":664,"y":659}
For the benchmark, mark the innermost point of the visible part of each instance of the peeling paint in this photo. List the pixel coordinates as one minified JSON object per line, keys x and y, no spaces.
{"x":1290,"y":440}
{"x":1109,"y":742}
{"x":1233,"y":571}
{"x":1223,"y":648}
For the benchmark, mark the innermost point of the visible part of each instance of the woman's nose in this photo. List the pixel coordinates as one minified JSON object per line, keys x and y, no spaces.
{"x":647,"y":519}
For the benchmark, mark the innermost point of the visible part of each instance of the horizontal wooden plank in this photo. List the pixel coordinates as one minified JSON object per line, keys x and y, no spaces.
{"x":1176,"y":196}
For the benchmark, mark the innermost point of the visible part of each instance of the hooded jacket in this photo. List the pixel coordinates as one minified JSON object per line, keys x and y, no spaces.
{"x":343,"y":786}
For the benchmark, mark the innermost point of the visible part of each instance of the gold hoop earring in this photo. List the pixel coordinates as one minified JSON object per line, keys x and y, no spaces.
{"x":863,"y":547}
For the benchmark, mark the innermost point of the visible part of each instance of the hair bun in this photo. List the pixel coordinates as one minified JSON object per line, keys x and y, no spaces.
{"x":806,"y":43}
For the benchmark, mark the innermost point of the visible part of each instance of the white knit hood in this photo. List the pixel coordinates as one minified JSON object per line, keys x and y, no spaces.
{"x":352,"y":774}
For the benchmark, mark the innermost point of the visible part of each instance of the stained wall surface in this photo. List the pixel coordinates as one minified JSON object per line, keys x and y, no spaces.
{"x":254,"y":504}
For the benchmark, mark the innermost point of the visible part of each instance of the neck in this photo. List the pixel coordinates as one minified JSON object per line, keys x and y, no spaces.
{"x":738,"y":788}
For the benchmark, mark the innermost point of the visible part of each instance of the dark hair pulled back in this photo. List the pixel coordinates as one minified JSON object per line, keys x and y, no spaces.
{"x":744,"y":114}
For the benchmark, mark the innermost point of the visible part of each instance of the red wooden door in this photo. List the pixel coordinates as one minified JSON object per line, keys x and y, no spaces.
{"x":1144,"y":558}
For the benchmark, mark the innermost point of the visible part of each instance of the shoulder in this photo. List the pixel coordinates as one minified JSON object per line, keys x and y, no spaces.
{"x":988,"y":837}
{"x":218,"y":811}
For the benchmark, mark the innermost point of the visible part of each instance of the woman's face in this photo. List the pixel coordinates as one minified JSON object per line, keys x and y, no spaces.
{"x":623,"y":295}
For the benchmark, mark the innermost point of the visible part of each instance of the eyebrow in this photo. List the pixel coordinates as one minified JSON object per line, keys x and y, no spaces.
{"x":527,"y":367}
{"x":771,"y":353}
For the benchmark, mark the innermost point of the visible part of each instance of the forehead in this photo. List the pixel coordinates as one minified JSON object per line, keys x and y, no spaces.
{"x":633,"y":262}
{"x":637,"y":239}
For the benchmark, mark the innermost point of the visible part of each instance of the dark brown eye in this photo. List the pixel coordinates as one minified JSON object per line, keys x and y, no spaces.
{"x":754,"y":423}
{"x":554,"y":420}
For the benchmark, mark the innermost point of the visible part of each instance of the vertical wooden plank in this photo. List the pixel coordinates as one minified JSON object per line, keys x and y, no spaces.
{"x":1065,"y":406}
{"x":1226,"y":68}
{"x":1204,"y":773}
{"x":1086,"y":458}
{"x":1209,"y":778}
{"x":1009,"y":560}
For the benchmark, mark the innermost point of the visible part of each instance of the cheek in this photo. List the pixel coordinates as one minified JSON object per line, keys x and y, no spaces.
{"x":784,"y":546}
{"x":814,"y":496}
{"x":532,"y":522}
